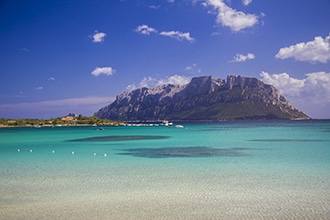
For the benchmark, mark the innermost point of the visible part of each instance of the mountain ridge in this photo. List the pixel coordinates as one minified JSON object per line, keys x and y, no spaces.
{"x":203,"y":98}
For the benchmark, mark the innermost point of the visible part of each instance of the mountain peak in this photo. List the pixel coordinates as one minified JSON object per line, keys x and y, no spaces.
{"x":204,"y":98}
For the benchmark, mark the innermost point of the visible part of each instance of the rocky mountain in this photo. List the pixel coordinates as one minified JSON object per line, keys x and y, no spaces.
{"x":204,"y":98}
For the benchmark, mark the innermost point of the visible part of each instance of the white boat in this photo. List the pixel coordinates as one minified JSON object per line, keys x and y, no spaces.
{"x":167,"y":123}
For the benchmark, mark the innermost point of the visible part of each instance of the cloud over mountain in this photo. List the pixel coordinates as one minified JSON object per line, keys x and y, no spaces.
{"x":150,"y":82}
{"x":315,"y":87}
{"x":314,"y":51}
{"x":311,"y":93}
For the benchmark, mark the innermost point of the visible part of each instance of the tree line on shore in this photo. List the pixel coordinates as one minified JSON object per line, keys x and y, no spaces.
{"x":66,"y":121}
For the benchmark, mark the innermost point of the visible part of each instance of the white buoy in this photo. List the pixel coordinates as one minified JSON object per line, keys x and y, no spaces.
{"x":105,"y":155}
{"x":72,"y":152}
{"x":18,"y":150}
{"x":94,"y":154}
{"x":31,"y":151}
{"x":53,"y":152}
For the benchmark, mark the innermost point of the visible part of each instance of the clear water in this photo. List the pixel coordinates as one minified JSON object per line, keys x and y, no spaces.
{"x":228,"y":170}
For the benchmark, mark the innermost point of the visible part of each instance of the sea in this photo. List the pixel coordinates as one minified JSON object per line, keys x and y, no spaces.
{"x":222,"y":170}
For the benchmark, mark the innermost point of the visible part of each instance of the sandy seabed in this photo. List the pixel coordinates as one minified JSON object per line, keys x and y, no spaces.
{"x":174,"y":208}
{"x":173,"y":201}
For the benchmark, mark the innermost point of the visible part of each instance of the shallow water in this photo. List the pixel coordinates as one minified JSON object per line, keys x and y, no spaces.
{"x":228,"y":170}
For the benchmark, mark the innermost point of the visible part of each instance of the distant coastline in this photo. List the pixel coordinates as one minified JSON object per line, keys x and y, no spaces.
{"x":39,"y":123}
{"x":58,"y":122}
{"x":62,"y":125}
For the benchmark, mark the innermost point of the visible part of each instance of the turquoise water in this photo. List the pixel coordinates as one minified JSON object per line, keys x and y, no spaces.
{"x":228,"y":170}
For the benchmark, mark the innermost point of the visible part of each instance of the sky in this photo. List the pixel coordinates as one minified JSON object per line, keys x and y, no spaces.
{"x":64,"y":56}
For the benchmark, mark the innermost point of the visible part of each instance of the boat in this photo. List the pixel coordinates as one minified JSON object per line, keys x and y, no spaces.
{"x":167,"y":123}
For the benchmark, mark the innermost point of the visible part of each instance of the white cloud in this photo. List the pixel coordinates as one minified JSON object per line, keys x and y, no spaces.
{"x":247,"y":2}
{"x":55,"y":108}
{"x":178,"y":35}
{"x":40,"y":88}
{"x":229,"y":17}
{"x":189,"y":68}
{"x":154,"y":6}
{"x":315,"y":85}
{"x":131,"y":87}
{"x":286,"y":84}
{"x":242,"y":58}
{"x":216,"y":33}
{"x":98,"y":37}
{"x":175,"y":79}
{"x":193,"y":68}
{"x":171,"y":1}
{"x":148,"y":82}
{"x":314,"y":51}
{"x":51,"y":78}
{"x":108,"y":71}
{"x":311,"y":94}
{"x":151,"y":82}
{"x":318,"y":85}
{"x":145,"y":29}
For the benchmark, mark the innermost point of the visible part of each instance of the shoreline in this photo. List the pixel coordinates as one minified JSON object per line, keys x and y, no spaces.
{"x":60,"y":125}
{"x":151,"y":123}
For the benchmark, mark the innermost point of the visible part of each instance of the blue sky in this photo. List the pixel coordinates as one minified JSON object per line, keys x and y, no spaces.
{"x":75,"y":56}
